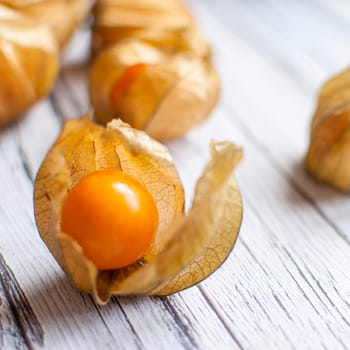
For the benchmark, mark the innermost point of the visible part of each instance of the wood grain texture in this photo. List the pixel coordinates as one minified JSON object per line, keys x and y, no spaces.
{"x":283,"y":98}
{"x":10,"y":332}
{"x":26,"y":320}
{"x":255,"y":108}
{"x":287,"y":283}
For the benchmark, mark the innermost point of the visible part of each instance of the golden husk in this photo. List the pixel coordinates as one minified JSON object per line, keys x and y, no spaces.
{"x":62,"y":16}
{"x":165,"y":24}
{"x":187,"y":248}
{"x":28,"y":63}
{"x":179,"y":87}
{"x":31,"y":34}
{"x":175,"y":92}
{"x":328,"y":156}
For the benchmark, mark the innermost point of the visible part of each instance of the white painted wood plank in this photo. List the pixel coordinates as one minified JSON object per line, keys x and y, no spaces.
{"x":277,"y":290}
{"x":75,"y":72}
{"x":341,"y":8}
{"x":35,"y":133}
{"x":311,"y":278}
{"x":309,"y":27}
{"x":272,"y":106}
{"x":196,"y":326}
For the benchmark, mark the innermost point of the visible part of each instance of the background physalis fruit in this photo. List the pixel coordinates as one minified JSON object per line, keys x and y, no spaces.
{"x":160,"y":76}
{"x":186,"y":248}
{"x":62,"y":16}
{"x":165,"y":24}
{"x":28,"y":63}
{"x":328,"y":156}
{"x":160,"y":93}
{"x":32,"y":33}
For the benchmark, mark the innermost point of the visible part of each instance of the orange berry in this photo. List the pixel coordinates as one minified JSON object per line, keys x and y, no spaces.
{"x":125,"y":81}
{"x":112,"y":216}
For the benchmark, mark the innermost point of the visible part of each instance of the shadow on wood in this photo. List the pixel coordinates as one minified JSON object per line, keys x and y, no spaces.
{"x":314,"y":191}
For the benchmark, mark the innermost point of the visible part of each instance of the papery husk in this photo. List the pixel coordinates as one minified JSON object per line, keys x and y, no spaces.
{"x":62,"y":16}
{"x":203,"y":239}
{"x":84,"y":147}
{"x":188,"y":248}
{"x":170,"y":40}
{"x":328,"y":156}
{"x":165,"y":24}
{"x":28,"y":63}
{"x":175,"y":93}
{"x":179,"y":87}
{"x":143,"y":13}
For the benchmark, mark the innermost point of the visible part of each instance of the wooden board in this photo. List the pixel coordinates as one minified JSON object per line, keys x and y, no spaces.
{"x":287,"y":283}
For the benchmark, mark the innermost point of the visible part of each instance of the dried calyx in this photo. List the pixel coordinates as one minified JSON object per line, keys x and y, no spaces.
{"x":328,"y":156}
{"x":61,"y":16}
{"x":31,"y":36}
{"x":160,"y":78}
{"x":165,"y":24}
{"x":152,"y":67}
{"x":186,"y":248}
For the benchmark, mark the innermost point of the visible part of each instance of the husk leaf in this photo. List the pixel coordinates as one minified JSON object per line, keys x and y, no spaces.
{"x":62,"y":16}
{"x":203,"y":239}
{"x":328,"y":156}
{"x":142,"y":12}
{"x":174,"y":93}
{"x":187,"y":248}
{"x":178,"y":89}
{"x":84,"y":147}
{"x":28,"y":63}
{"x":165,"y":24}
